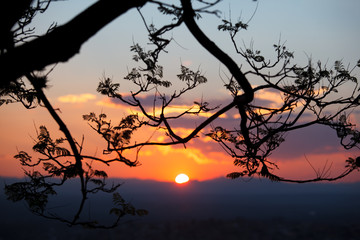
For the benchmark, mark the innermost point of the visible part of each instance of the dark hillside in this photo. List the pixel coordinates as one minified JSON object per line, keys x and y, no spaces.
{"x":215,"y":209}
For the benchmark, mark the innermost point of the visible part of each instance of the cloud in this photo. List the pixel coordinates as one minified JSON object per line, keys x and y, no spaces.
{"x":187,"y":63}
{"x":268,"y":98}
{"x":198,"y":150}
{"x":81,"y":98}
{"x":148,"y":103}
{"x":190,"y":153}
{"x":110,"y":103}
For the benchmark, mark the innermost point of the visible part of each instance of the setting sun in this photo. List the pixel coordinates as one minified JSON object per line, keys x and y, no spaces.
{"x":181,"y":178}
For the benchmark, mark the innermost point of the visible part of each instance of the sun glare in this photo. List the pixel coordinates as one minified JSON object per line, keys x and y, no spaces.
{"x":181,"y":178}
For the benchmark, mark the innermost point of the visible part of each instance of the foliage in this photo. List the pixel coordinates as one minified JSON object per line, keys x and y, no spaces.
{"x":234,"y":28}
{"x":57,"y":169}
{"x":117,"y":137}
{"x":35,"y":192}
{"x":18,"y":92}
{"x":304,"y":90}
{"x":313,"y":89}
{"x":125,"y":208}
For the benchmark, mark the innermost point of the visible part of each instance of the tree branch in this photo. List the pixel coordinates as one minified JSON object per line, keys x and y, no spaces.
{"x":211,"y":47}
{"x":63,"y":42}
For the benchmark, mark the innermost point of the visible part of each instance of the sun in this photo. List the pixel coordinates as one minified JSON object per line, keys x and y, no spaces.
{"x":181,"y":178}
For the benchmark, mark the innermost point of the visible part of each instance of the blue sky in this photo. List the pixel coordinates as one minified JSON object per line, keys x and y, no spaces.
{"x":324,"y":29}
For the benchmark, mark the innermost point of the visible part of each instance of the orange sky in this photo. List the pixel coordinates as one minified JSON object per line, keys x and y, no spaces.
{"x":73,"y":84}
{"x":201,"y":160}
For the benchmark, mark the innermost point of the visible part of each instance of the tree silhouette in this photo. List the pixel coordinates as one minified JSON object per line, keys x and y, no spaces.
{"x":310,"y":89}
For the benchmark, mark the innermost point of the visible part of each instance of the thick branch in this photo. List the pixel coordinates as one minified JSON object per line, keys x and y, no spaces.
{"x":217,"y":52}
{"x":63,"y":42}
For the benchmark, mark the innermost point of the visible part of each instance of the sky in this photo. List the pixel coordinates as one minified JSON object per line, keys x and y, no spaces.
{"x":324,"y":30}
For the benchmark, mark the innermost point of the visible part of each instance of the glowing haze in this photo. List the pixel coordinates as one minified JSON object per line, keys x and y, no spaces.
{"x":327,"y":30}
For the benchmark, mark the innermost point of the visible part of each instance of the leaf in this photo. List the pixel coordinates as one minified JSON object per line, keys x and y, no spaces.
{"x":117,"y":199}
{"x":298,"y":71}
{"x":102,"y":116}
{"x":129,"y":209}
{"x":352,"y":163}
{"x":6,"y":101}
{"x":234,"y":175}
{"x":288,"y":54}
{"x":240,"y":25}
{"x":62,"y":151}
{"x":170,"y":11}
{"x":70,"y":171}
{"x":24,"y":158}
{"x":116,"y":211}
{"x":357,"y":160}
{"x":341,"y":132}
{"x":259,"y":58}
{"x":97,"y":181}
{"x":200,"y":79}
{"x":342,"y":119}
{"x":338,"y":66}
{"x":44,"y":133}
{"x":324,"y":73}
{"x":89,"y":117}
{"x":98,"y":173}
{"x":141,"y":212}
{"x":133,"y":75}
{"x":14,"y":191}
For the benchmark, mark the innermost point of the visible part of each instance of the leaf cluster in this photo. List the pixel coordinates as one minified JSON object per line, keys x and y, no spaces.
{"x":190,"y":77}
{"x":149,"y":76}
{"x":345,"y":130}
{"x":18,"y":92}
{"x":303,"y":90}
{"x":57,"y":168}
{"x":49,"y":147}
{"x":119,"y":135}
{"x":232,"y":28}
{"x":35,"y":192}
{"x":107,"y":87}
{"x":125,"y":208}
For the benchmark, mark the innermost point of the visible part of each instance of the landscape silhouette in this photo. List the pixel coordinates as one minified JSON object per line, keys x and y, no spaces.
{"x":232,"y":111}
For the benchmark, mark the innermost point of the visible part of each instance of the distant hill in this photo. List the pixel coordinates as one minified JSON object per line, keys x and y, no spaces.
{"x":255,"y":199}
{"x":221,"y":199}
